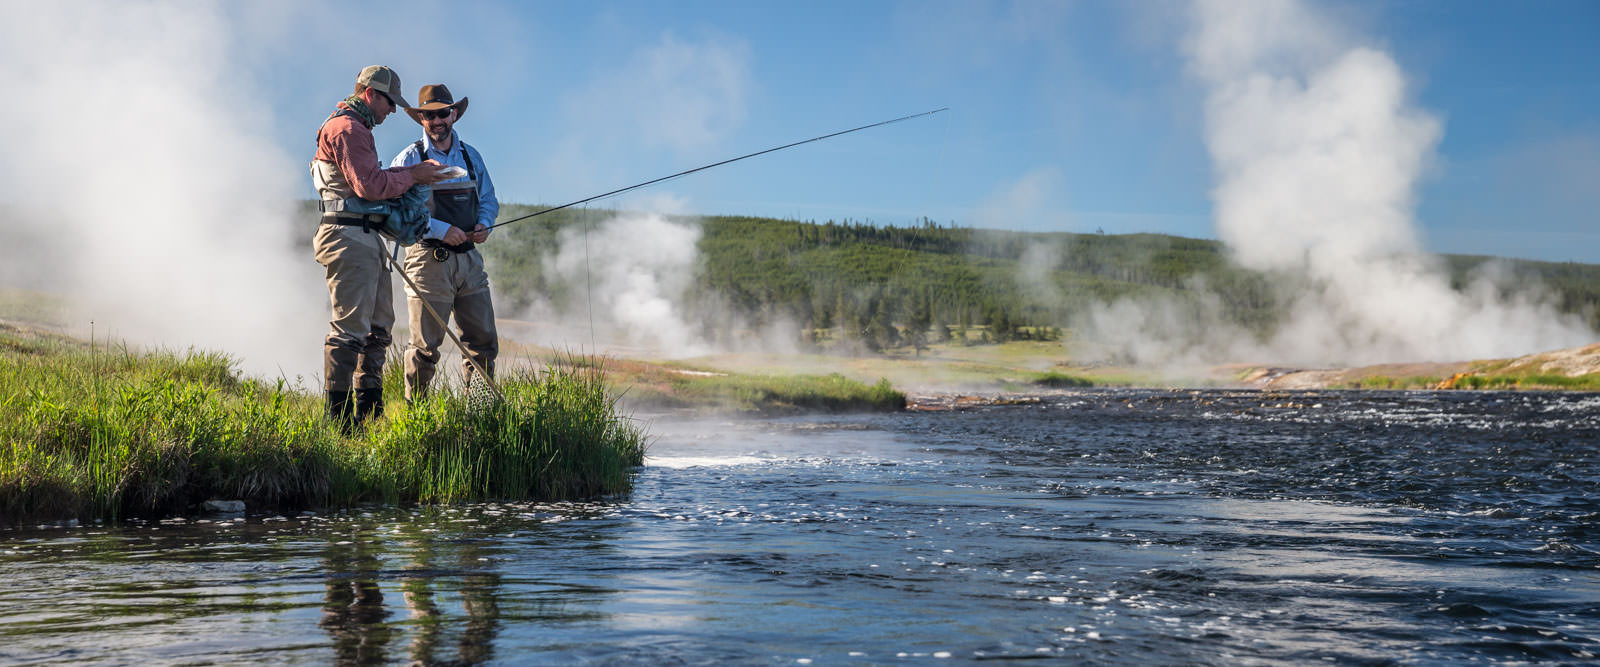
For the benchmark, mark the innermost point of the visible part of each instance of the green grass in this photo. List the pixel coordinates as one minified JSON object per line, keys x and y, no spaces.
{"x":1388,"y":382}
{"x":555,"y":436}
{"x":31,"y":306}
{"x":1059,"y":380}
{"x":108,"y":432}
{"x":1530,"y":381}
{"x":767,"y":394}
{"x":1483,"y":379}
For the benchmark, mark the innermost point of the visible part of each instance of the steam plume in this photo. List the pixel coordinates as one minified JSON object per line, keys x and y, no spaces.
{"x":1318,"y":152}
{"x":146,"y":199}
{"x":633,"y":271}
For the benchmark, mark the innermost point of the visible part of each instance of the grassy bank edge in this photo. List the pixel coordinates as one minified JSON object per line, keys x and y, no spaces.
{"x":102,"y":432}
{"x":685,"y":387}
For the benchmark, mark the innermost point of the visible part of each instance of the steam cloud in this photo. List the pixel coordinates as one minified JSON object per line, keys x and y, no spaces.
{"x":632,"y":272}
{"x":1317,"y":152}
{"x":629,"y":277}
{"x":136,"y":190}
{"x":629,"y":281}
{"x":1026,"y":202}
{"x":145,"y":187}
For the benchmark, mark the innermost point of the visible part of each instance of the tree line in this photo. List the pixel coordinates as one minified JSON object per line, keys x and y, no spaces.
{"x":883,"y":287}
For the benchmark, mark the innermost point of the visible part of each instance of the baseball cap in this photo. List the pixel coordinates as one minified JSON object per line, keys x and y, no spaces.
{"x":384,"y":80}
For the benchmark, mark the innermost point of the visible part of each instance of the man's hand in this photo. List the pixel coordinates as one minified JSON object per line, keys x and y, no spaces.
{"x":427,"y":172}
{"x":480,"y":233}
{"x":455,"y":236}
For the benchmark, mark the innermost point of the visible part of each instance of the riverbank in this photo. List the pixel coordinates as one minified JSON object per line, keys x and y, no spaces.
{"x":98,"y":431}
{"x":947,"y":372}
{"x":1572,"y":369}
{"x":685,"y":388}
{"x":102,"y":432}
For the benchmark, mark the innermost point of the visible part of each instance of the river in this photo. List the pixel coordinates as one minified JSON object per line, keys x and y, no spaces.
{"x":1097,"y":527}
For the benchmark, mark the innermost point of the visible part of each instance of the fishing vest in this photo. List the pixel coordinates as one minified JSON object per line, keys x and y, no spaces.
{"x":404,"y":218}
{"x":325,"y":176}
{"x":454,"y":202}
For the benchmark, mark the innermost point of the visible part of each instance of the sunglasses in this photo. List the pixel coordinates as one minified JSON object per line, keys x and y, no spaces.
{"x":439,"y":114}
{"x":389,"y":99}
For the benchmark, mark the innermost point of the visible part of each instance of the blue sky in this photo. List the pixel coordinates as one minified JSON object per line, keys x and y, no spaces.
{"x":1064,"y":116}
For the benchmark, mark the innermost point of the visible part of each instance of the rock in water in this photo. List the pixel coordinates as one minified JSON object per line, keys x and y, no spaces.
{"x":224,"y":506}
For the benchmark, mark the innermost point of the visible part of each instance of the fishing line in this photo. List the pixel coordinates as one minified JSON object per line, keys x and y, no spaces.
{"x":943,"y":174}
{"x":588,"y":281}
{"x":718,"y":164}
{"x":940,"y":177}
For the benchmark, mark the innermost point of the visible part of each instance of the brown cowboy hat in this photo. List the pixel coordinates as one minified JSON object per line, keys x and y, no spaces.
{"x":433,"y":97}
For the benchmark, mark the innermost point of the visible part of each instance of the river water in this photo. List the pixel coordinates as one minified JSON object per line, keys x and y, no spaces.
{"x":1102,"y":527}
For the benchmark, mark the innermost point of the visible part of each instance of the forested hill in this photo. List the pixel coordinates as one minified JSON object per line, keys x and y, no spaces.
{"x":889,"y":286}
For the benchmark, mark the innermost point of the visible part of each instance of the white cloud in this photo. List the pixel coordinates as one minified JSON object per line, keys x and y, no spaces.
{"x":1031,"y":202}
{"x":680,"y":96}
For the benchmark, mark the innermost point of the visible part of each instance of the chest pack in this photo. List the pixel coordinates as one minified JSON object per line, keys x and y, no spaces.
{"x":455,"y":203}
{"x":403,"y":218}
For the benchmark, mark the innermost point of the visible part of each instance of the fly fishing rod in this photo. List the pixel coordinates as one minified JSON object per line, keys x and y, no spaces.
{"x":716,"y":164}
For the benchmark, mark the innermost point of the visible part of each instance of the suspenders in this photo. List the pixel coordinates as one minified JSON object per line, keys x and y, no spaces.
{"x":457,"y":206}
{"x":422,"y":152}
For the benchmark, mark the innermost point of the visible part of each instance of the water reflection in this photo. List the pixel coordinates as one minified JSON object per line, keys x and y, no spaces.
{"x":418,"y":591}
{"x":442,"y":605}
{"x":1208,"y":531}
{"x":476,"y":589}
{"x":353,"y":611}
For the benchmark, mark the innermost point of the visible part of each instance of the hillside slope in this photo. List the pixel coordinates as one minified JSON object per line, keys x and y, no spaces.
{"x":900,"y":286}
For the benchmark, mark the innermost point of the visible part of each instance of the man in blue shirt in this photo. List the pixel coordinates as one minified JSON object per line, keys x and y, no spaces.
{"x":446,"y":266}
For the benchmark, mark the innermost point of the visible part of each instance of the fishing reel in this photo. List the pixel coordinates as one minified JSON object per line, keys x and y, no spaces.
{"x":440,"y":254}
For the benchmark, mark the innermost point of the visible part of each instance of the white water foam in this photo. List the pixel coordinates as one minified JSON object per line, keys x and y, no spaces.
{"x":680,"y":462}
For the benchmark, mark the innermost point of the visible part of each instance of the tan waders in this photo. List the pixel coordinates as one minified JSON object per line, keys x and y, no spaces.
{"x":453,"y":281}
{"x":363,"y":316}
{"x":353,"y":253}
{"x":456,"y":286}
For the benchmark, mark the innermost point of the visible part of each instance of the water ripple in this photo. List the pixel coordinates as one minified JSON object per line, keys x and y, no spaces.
{"x":1210,"y":527}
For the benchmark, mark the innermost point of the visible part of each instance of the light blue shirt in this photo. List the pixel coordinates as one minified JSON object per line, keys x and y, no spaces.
{"x":488,"y":205}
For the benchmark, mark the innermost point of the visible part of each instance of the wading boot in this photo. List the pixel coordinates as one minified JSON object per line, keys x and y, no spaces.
{"x":369,"y":404}
{"x":340,"y":412}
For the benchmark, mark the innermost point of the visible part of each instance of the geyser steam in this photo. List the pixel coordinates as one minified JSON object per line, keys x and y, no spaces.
{"x":632,"y":270}
{"x":1317,"y":153}
{"x":137,"y":187}
{"x":630,"y":287}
